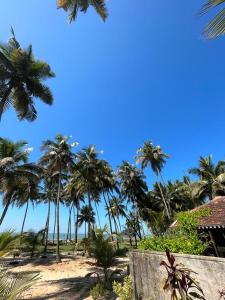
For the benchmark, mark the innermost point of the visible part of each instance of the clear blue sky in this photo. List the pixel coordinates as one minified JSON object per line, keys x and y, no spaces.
{"x":146,"y":73}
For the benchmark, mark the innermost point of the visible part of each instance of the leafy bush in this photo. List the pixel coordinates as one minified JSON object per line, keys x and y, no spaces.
{"x":124,"y":291}
{"x":98,"y":291}
{"x":183,"y":239}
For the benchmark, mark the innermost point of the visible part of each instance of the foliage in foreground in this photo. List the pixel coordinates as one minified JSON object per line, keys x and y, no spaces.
{"x":183,"y":239}
{"x":12,"y":286}
{"x":124,"y":291}
{"x":98,"y":291}
{"x":179,"y":281}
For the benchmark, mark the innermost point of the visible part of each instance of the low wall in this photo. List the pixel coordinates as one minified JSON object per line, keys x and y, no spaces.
{"x":148,"y":277}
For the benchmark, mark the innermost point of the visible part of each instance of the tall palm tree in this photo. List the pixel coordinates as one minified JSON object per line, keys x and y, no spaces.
{"x":58,"y":158}
{"x":133,"y":187}
{"x":17,"y":177}
{"x":211,"y":177}
{"x":21,"y":80}
{"x":216,"y":27}
{"x":117,"y":209}
{"x":86,"y":216}
{"x":74,"y":6}
{"x":88,"y":170}
{"x":148,"y":154}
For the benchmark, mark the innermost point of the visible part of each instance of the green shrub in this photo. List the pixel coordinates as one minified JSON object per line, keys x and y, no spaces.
{"x":124,"y":291}
{"x":183,"y":239}
{"x":98,"y":291}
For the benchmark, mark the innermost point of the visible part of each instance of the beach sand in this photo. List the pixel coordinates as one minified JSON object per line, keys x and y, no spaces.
{"x":65,"y":280}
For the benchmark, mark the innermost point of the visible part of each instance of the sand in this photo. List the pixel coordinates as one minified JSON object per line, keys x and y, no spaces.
{"x":65,"y":280}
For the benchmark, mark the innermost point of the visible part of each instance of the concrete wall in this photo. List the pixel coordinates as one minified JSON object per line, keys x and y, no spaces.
{"x":148,"y":277}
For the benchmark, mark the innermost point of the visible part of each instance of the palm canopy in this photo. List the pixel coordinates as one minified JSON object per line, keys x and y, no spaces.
{"x":152,"y":155}
{"x":86,"y":215}
{"x":132,"y":183}
{"x":74,"y":6}
{"x":216,"y":27}
{"x":211,"y":177}
{"x":21,"y":80}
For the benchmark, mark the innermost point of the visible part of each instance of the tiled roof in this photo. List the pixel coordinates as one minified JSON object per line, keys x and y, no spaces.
{"x":217,"y":216}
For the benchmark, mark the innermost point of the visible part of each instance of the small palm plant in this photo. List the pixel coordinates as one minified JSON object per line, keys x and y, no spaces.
{"x":12,"y":286}
{"x":179,"y":281}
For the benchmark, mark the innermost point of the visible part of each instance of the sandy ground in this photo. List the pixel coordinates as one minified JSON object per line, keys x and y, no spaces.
{"x":65,"y":280}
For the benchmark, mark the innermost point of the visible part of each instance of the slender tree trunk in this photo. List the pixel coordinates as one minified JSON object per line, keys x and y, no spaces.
{"x":76,"y":224}
{"x":137,"y":220}
{"x":58,"y":259}
{"x":53,"y":238}
{"x":163,"y":198}
{"x":96,"y":208}
{"x":110,"y":222}
{"x":47,"y":226}
{"x":68,"y":236}
{"x":85,"y":230}
{"x":5,"y":210}
{"x":24,"y":219}
{"x":89,"y":223}
{"x":120,"y":228}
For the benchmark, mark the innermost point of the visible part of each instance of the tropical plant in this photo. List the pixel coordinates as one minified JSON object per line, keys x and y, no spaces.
{"x":104,"y":252}
{"x":211,"y":177}
{"x":86,"y":216}
{"x":74,"y":6}
{"x":184,"y":238}
{"x":21,"y":80}
{"x":17,"y":176}
{"x":98,"y":291}
{"x":179,"y":281}
{"x":216,"y":27}
{"x":124,"y":291}
{"x":152,"y":155}
{"x":58,"y":159}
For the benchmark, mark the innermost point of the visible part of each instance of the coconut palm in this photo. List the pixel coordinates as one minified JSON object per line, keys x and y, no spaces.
{"x":74,"y":6}
{"x":58,"y":159}
{"x":117,"y":209}
{"x":148,"y":154}
{"x":133,"y":187}
{"x":216,"y":27}
{"x":211,"y":177}
{"x":86,"y":216}
{"x":88,"y":170}
{"x":17,"y":176}
{"x":21,"y":80}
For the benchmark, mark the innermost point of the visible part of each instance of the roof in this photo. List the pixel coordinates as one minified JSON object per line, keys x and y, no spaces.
{"x":216,"y":219}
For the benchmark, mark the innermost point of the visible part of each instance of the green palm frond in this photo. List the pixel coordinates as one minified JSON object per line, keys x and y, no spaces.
{"x":216,"y":27}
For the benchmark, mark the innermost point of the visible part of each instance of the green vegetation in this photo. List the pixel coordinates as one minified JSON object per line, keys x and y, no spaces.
{"x":124,"y":291}
{"x":183,"y":239}
{"x":98,"y":291}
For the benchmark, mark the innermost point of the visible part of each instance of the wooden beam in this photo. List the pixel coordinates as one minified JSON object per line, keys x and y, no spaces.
{"x":214,"y":244}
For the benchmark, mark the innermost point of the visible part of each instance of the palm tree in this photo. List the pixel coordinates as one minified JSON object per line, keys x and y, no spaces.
{"x":58,"y":159}
{"x":17,"y":176}
{"x":86,"y":216}
{"x":88,"y":170}
{"x":21,"y":80}
{"x":117,"y":210}
{"x":211,"y":177}
{"x":74,"y":6}
{"x":216,"y":27}
{"x":148,"y":154}
{"x":133,"y":187}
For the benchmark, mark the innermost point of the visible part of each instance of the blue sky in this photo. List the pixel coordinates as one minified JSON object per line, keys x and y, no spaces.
{"x":147,"y":73}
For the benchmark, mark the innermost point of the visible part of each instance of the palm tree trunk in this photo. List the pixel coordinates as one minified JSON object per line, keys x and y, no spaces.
{"x":96,"y":208}
{"x":47,"y":226}
{"x":89,"y":223}
{"x":76,"y":224}
{"x":53,"y":238}
{"x":24,"y":219}
{"x":58,"y":259}
{"x":69,"y":224}
{"x":163,"y":198}
{"x":85,"y":230}
{"x":5,"y":210}
{"x":110,"y":222}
